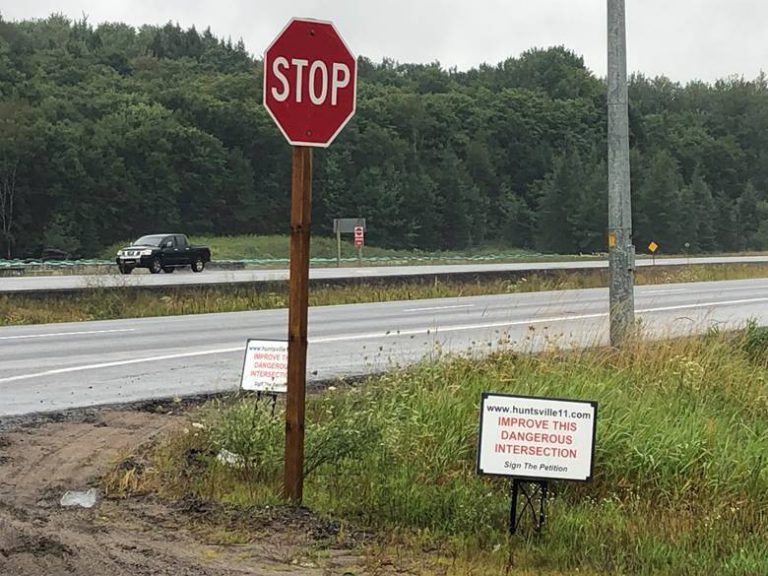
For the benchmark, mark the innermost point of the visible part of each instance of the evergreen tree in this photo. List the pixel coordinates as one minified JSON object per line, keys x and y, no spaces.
{"x":725,"y":223}
{"x":572,"y":208}
{"x":703,"y":205}
{"x":747,"y":217}
{"x":517,"y":223}
{"x":657,"y":209}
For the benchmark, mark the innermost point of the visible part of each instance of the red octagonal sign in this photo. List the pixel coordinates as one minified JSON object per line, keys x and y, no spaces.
{"x":310,"y":82}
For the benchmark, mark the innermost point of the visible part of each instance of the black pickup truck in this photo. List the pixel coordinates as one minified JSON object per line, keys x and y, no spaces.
{"x":164,"y":252}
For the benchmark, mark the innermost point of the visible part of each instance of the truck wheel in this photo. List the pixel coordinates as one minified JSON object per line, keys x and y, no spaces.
{"x":198,"y":265}
{"x":168,"y":269}
{"x":155,"y":267}
{"x":125,"y":269}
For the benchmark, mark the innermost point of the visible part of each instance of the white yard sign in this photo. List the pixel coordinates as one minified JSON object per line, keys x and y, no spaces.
{"x":265,"y":368}
{"x":536,"y":438}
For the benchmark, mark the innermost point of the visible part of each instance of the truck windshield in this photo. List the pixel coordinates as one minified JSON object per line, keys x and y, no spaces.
{"x":154,"y":240}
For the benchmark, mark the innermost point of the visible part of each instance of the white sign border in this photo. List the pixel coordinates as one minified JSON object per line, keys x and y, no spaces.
{"x":484,"y":396}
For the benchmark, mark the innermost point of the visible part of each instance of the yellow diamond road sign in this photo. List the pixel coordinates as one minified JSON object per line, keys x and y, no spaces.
{"x":653,"y":246}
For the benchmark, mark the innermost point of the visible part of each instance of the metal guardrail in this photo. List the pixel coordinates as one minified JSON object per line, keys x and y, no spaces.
{"x":52,"y":263}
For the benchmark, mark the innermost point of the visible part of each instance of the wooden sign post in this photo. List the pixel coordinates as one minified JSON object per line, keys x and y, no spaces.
{"x":298,"y":299}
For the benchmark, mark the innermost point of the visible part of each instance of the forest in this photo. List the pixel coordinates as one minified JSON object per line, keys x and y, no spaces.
{"x":108,"y":132}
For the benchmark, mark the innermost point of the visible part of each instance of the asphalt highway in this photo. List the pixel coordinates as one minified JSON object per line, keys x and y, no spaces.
{"x":59,"y":366}
{"x":210,"y":277}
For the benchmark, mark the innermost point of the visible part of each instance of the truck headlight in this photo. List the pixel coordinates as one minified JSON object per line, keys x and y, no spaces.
{"x":145,"y":253}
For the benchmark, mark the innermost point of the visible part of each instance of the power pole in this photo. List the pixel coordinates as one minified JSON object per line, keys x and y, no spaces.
{"x":621,"y":252}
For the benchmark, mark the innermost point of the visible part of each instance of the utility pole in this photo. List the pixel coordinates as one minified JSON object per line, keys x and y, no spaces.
{"x":621,"y":252}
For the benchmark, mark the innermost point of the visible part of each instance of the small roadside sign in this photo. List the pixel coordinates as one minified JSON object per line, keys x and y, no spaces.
{"x":265,"y":368}
{"x":359,"y":233}
{"x":653,"y":247}
{"x":347,"y":225}
{"x":536,"y":438}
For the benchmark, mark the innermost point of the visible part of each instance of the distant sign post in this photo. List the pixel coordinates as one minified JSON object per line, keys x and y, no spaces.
{"x":534,"y":440}
{"x":653,"y":247}
{"x":310,"y":83}
{"x":359,"y":236}
{"x":359,"y":242}
{"x":346,"y":226}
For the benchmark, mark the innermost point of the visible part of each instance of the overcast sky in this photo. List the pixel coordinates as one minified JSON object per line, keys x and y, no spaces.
{"x":682,"y":39}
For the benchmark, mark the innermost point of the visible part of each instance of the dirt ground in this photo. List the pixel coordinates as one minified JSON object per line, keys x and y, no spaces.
{"x":138,"y":536}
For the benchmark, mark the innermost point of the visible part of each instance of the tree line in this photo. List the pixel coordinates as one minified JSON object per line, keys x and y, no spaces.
{"x":108,"y":132}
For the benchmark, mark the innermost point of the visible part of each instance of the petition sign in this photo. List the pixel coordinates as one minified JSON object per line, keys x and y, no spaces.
{"x":537,"y":438}
{"x":265,"y":368}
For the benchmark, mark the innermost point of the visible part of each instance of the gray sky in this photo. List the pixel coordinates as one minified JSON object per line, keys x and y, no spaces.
{"x":682,"y":39}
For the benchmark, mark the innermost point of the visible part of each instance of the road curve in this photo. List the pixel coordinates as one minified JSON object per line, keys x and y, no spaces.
{"x":59,"y":366}
{"x":219,"y":277}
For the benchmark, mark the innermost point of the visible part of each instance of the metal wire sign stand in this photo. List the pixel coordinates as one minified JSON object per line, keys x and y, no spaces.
{"x":534,"y":440}
{"x":533,"y":494}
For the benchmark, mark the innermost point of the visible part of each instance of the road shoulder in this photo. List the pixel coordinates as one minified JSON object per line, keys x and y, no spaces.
{"x":142,"y":535}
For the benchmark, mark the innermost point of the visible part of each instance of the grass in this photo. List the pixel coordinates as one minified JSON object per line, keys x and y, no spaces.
{"x":680,"y":470}
{"x":106,"y":304}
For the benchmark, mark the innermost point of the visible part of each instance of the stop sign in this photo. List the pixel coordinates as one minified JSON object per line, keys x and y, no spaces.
{"x":310,"y":82}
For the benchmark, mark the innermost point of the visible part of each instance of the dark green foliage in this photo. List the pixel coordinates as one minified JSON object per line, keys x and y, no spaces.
{"x":573,"y":206}
{"x":108,"y":132}
{"x":658,"y":213}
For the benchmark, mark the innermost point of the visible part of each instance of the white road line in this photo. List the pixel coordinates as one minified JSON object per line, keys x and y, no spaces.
{"x":372,"y":335}
{"x":459,"y":328}
{"x":58,"y":334}
{"x":318,"y":340}
{"x":119,"y":363}
{"x":662,"y":292}
{"x":703,"y":305}
{"x":439,"y":308}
